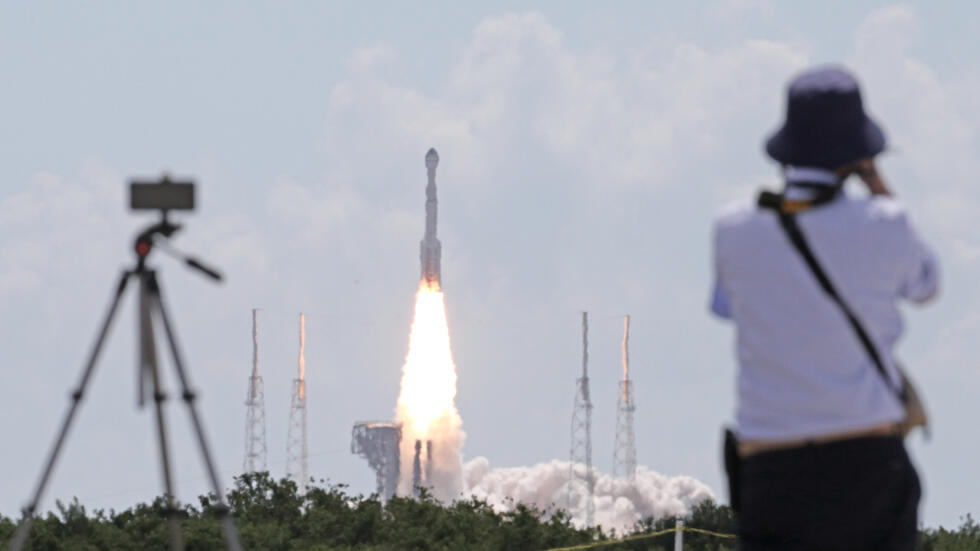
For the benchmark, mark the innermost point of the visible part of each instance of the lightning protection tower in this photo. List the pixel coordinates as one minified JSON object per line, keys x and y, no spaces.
{"x":581,"y":450}
{"x":297,"y":451}
{"x":624,"y":450}
{"x":255,"y":450}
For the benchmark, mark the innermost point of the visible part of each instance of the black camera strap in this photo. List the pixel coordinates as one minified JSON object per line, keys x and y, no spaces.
{"x":787,"y":219}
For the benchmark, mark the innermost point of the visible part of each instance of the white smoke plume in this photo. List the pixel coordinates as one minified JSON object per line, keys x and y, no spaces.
{"x":618,"y":504}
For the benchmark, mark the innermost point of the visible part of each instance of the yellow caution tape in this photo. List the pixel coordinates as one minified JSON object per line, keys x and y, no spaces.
{"x":643,"y":537}
{"x":707,"y":532}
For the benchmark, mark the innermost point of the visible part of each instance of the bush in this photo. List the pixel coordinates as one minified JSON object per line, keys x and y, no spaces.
{"x":273,"y":515}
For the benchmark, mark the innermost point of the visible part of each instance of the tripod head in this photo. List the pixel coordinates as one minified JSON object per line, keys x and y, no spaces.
{"x":163,"y":195}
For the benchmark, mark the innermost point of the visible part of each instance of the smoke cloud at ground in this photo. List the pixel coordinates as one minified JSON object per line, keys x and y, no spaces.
{"x":618,"y":504}
{"x":447,"y":438}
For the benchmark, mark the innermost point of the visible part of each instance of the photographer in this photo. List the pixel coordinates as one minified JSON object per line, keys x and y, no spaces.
{"x":811,"y":278}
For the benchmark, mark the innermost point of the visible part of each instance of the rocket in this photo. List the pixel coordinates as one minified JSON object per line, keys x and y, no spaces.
{"x":430,"y":250}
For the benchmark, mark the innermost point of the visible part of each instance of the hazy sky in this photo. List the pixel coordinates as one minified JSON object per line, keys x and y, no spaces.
{"x":584,"y":151}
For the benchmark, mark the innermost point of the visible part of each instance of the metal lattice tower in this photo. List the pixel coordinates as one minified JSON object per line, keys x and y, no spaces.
{"x":379,"y":442}
{"x":624,"y":450}
{"x":581,"y":450}
{"x":255,"y":449}
{"x":297,"y":452}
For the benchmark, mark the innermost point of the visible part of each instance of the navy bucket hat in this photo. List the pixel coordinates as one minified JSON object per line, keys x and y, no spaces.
{"x":826,"y":125}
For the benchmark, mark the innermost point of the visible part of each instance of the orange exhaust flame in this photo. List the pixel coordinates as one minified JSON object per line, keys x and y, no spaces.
{"x":429,"y":377}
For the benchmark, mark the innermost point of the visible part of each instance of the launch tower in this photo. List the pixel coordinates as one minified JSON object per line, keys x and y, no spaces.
{"x":297,"y":451}
{"x":581,"y":451}
{"x":624,"y":450}
{"x":255,"y":450}
{"x":379,"y":444}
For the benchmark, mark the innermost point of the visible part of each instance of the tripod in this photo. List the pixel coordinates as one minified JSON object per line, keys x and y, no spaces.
{"x":151,"y":307}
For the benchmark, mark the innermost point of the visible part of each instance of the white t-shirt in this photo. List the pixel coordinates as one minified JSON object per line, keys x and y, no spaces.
{"x":802,"y":370}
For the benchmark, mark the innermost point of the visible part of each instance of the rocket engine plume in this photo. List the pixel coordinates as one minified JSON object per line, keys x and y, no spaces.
{"x":427,"y":402}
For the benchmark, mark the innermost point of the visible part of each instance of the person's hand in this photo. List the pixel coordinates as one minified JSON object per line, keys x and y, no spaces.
{"x":868,"y":172}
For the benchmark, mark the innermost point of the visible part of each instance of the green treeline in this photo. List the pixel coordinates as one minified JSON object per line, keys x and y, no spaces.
{"x":272,"y":515}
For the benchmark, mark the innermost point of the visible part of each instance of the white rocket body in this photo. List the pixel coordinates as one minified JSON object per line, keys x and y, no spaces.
{"x":430,"y":250}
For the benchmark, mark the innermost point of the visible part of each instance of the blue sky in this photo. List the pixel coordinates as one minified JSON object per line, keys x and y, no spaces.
{"x":584,"y":151}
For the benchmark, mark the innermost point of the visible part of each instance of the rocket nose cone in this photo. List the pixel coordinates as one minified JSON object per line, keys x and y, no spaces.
{"x":431,"y":158}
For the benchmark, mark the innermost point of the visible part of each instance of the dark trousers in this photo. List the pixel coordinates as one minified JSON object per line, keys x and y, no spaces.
{"x":859,"y":494}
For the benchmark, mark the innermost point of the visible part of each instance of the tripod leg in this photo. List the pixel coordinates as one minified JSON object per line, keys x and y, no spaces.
{"x":20,"y":537}
{"x":173,"y":522}
{"x":223,"y":511}
{"x":150,"y":364}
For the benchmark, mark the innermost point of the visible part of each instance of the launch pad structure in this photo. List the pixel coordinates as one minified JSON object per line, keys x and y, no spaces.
{"x":378,"y":442}
{"x":421,"y":477}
